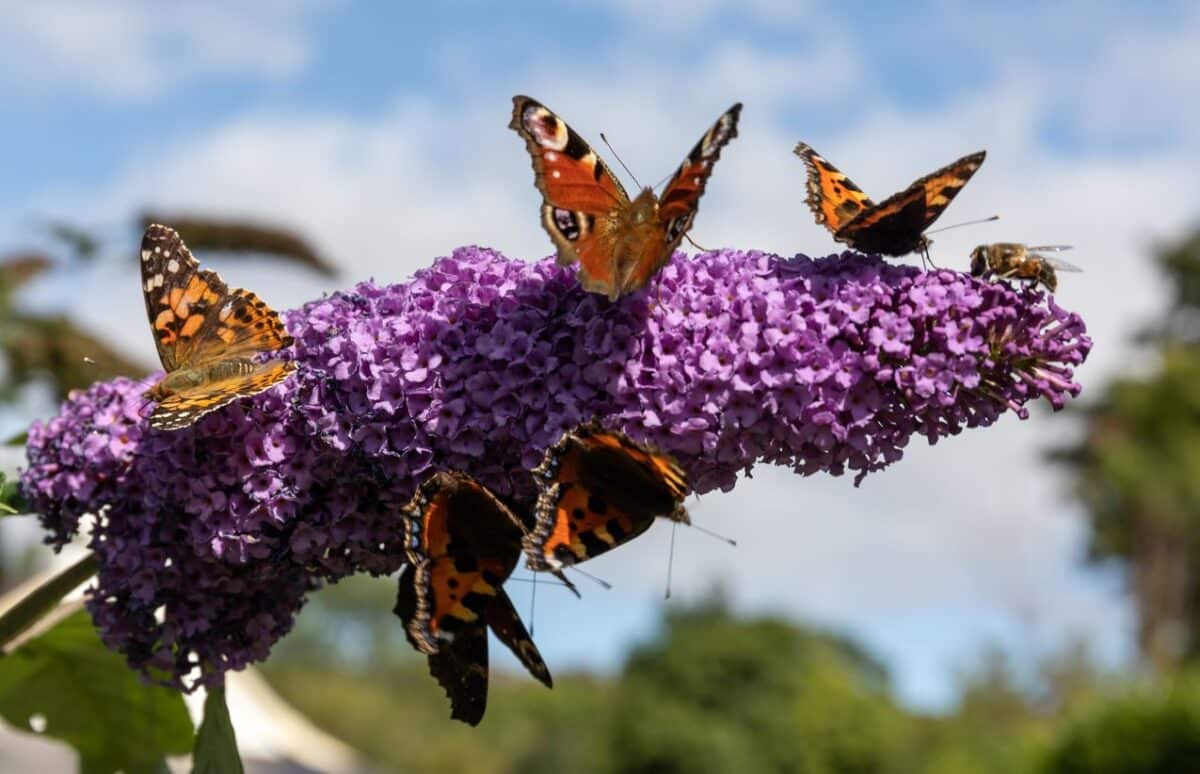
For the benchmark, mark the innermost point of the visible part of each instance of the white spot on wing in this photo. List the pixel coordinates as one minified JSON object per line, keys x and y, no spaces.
{"x":173,"y":266}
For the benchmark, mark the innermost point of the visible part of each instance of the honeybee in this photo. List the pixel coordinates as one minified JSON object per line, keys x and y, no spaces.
{"x":1013,"y":260}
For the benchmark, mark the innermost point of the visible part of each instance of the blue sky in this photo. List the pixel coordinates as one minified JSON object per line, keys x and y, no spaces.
{"x":378,"y":130}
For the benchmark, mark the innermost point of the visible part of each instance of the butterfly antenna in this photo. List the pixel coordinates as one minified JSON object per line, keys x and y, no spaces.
{"x":965,"y":223}
{"x":618,"y":158}
{"x":716,"y":535}
{"x":599,"y":581}
{"x":698,"y":247}
{"x":671,"y":559}
{"x":542,"y":582}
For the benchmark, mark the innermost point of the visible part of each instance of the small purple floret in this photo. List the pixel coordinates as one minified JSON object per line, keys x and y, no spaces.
{"x":209,"y":538}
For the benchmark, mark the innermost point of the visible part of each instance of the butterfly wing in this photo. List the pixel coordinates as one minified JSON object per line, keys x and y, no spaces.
{"x":179,"y":295}
{"x":195,"y":316}
{"x":460,"y":666}
{"x":580,"y":195}
{"x":598,"y":490}
{"x":463,"y":543}
{"x":653,"y":244}
{"x":180,"y":409}
{"x":199,"y":321}
{"x":680,"y":199}
{"x":833,"y":198}
{"x":503,"y":619}
{"x":896,"y":225}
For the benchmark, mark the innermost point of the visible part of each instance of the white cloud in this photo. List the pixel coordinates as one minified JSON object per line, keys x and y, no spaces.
{"x":964,"y":541}
{"x":136,"y":49}
{"x":677,"y":17}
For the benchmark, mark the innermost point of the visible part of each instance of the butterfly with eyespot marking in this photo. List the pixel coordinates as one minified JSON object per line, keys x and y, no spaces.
{"x":896,"y":226}
{"x":462,"y":544}
{"x":209,"y":337}
{"x":619,"y":244}
{"x":598,"y":489}
{"x":1013,"y":260}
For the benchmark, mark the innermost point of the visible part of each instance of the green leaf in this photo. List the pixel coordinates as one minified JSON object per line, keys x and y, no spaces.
{"x":216,"y":745}
{"x":8,"y":493}
{"x":18,"y":440}
{"x":66,"y":683}
{"x":11,"y":501}
{"x":37,"y":603}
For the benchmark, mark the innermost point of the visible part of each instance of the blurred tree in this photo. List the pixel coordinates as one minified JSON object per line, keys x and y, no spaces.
{"x":51,"y":347}
{"x":711,"y":692}
{"x":1149,"y":731}
{"x":1137,"y":472}
{"x":715,"y":694}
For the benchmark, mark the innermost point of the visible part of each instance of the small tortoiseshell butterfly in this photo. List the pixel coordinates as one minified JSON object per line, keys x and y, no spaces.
{"x":597,"y":490}
{"x":462,"y":544}
{"x":897,"y":225}
{"x":208,"y":336}
{"x":619,"y":244}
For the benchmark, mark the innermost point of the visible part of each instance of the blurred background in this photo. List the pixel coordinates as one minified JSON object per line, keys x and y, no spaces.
{"x":1021,"y":598}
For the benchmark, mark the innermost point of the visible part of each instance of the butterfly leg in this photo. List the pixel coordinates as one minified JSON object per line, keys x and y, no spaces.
{"x":570,"y":586}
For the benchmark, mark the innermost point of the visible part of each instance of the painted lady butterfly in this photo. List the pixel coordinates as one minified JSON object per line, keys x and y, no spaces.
{"x":597,"y":490}
{"x":894,"y":227}
{"x":208,"y":336}
{"x":619,"y":244}
{"x":462,"y":544}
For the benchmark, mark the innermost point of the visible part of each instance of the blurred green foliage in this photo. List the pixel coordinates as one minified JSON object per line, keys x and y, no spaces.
{"x":1136,"y":470}
{"x":1145,"y":732}
{"x":716,"y":692}
{"x":51,"y":347}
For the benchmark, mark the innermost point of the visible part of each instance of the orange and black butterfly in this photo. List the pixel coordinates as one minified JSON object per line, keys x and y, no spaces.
{"x":597,"y":490}
{"x":462,"y":544}
{"x":619,"y":244}
{"x":897,"y":225}
{"x":209,"y":337}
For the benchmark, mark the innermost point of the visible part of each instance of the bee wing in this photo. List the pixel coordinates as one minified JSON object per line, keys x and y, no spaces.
{"x":1057,"y":263}
{"x":1048,"y":248}
{"x":1061,"y":265}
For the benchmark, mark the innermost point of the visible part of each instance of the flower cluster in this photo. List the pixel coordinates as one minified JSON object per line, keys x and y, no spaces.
{"x":209,"y":538}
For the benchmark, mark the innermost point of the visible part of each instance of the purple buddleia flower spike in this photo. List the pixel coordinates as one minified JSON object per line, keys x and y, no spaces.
{"x":209,"y":537}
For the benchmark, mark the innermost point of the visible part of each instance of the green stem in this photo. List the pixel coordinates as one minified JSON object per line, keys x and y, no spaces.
{"x":43,"y":599}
